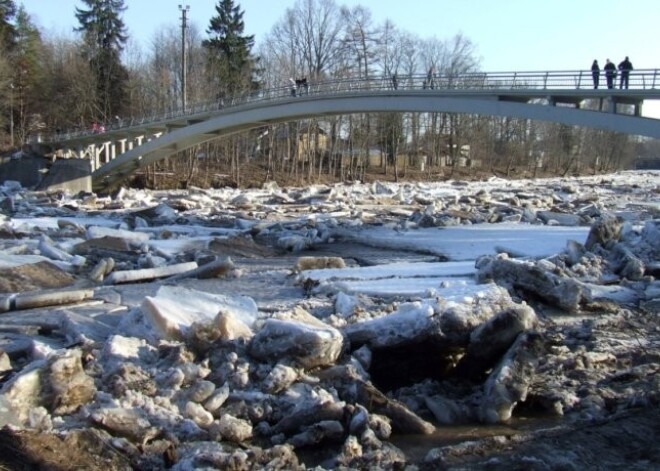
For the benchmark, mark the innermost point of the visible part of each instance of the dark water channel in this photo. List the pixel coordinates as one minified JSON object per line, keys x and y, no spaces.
{"x":416,"y":447}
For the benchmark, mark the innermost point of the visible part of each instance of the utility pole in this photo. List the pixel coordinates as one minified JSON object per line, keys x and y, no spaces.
{"x":184,"y":85}
{"x":11,"y":115}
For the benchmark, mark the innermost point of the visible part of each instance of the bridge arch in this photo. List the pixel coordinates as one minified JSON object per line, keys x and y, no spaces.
{"x":256,"y":114}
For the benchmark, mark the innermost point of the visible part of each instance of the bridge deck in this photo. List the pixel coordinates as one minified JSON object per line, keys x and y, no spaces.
{"x":557,"y":87}
{"x":571,"y":97}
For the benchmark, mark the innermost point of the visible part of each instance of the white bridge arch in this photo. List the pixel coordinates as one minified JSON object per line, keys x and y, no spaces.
{"x":543,"y":96}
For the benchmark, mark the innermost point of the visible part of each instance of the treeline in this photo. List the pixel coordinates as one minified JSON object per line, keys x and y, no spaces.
{"x":50,"y":83}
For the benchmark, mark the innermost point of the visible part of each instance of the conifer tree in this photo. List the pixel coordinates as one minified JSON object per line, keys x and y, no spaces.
{"x":231,"y":65}
{"x":7,"y":29}
{"x":27,"y":75}
{"x":104,"y":37}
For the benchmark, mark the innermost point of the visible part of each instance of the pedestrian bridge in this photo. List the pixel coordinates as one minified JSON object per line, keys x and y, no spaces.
{"x":567,"y":97}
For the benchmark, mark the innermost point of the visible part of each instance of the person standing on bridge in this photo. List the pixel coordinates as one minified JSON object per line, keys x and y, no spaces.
{"x":294,"y":86}
{"x":625,"y":66}
{"x":395,"y":81}
{"x":610,"y":73}
{"x":429,"y":79}
{"x":595,"y":73}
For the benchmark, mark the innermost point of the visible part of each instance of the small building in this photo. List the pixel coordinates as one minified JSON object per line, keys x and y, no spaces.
{"x":291,"y":139}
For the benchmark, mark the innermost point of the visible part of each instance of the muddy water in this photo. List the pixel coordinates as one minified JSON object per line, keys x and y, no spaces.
{"x":416,"y":447}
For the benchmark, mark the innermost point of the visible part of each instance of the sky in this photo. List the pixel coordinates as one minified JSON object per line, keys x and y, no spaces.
{"x":510,"y":35}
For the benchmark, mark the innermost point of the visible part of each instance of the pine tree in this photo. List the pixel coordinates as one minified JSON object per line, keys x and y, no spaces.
{"x":104,"y":38}
{"x":7,"y":30}
{"x":231,"y":65}
{"x":27,"y":75}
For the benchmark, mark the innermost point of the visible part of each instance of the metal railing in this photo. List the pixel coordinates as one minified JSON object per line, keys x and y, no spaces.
{"x":639,"y":80}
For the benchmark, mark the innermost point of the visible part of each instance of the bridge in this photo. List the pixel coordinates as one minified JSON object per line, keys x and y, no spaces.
{"x":567,"y":97}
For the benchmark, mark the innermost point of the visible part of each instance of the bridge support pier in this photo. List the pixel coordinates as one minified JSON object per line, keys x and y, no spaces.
{"x":612,"y":105}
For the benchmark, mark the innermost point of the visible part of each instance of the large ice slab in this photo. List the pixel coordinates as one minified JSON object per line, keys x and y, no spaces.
{"x":174,"y":309}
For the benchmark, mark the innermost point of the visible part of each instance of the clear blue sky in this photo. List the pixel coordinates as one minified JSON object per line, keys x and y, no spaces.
{"x":522,"y":35}
{"x":509,"y":34}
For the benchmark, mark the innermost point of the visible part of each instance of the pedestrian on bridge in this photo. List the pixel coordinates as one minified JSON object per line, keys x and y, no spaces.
{"x":395,"y":81}
{"x":429,"y":79}
{"x":610,"y":73}
{"x":625,"y":66}
{"x":595,"y":73}
{"x":294,"y":87}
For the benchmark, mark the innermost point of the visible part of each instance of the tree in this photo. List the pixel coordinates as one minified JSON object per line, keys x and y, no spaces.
{"x":231,"y":65}
{"x":27,"y":75}
{"x":7,"y":29}
{"x":104,"y":38}
{"x":68,"y":91}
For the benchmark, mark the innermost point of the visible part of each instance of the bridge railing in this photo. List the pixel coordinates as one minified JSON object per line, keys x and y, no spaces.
{"x":643,"y":79}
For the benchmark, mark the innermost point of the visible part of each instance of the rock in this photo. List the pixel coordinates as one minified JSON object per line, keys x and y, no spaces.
{"x":129,"y":423}
{"x":58,"y":383}
{"x":564,"y":292}
{"x":119,"y":350}
{"x":217,"y":399}
{"x":103,"y":268}
{"x":174,"y":310}
{"x":48,"y":249}
{"x":605,"y":230}
{"x":106,"y":243}
{"x":411,"y":322}
{"x":160,"y":214}
{"x":200,"y":336}
{"x":651,"y":306}
{"x":218,"y":268}
{"x":280,"y":378}
{"x":492,"y":339}
{"x":446,"y":411}
{"x":148,"y":274}
{"x":51,"y":298}
{"x":5,"y":363}
{"x":307,"y":414}
{"x":21,"y":393}
{"x":131,"y":237}
{"x":234,"y":429}
{"x":32,"y":277}
{"x":317,"y":263}
{"x":564,"y":219}
{"x":626,"y":264}
{"x":351,"y":450}
{"x":403,"y":419}
{"x":574,"y":251}
{"x":198,"y":414}
{"x":67,"y":386}
{"x":305,"y":341}
{"x":331,"y":430}
{"x":509,"y":382}
{"x":201,"y":391}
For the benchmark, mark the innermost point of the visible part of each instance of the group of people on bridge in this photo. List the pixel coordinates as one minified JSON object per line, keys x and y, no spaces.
{"x":298,"y":86}
{"x":429,"y":81}
{"x":625,"y":66}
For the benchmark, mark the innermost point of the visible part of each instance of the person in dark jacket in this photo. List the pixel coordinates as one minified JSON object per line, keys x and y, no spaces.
{"x":625,"y":66}
{"x":595,"y":73}
{"x":610,"y":73}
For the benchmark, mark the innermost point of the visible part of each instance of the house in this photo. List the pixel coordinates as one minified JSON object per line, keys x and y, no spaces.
{"x":287,"y":140}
